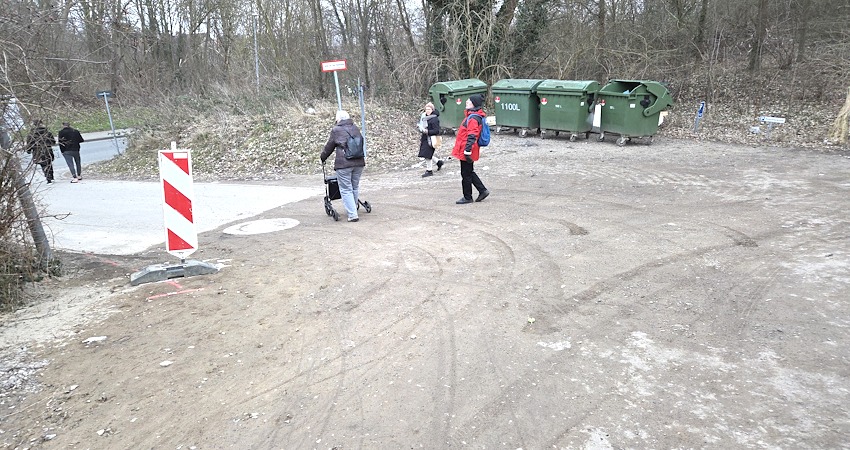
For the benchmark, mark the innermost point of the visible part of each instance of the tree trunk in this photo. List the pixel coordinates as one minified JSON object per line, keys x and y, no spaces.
{"x":759,"y":34}
{"x":600,"y":25}
{"x":320,"y":40}
{"x":702,"y":45}
{"x":800,"y":11}
{"x":404,"y":17}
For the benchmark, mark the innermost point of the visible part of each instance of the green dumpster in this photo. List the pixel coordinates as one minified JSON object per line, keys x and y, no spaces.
{"x":516,"y":105}
{"x":449,"y":97}
{"x":631,"y":108}
{"x":567,"y":105}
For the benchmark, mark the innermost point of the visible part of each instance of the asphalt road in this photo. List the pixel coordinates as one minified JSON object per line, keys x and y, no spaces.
{"x":126,"y":217}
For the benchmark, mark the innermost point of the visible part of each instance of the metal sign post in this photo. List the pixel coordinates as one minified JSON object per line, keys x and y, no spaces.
{"x":106,"y":95}
{"x":771,"y":121}
{"x":335,"y":66}
{"x":362,"y":116}
{"x":700,"y":112}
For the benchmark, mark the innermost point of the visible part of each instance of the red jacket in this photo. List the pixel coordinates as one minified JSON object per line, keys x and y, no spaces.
{"x":466,"y":141}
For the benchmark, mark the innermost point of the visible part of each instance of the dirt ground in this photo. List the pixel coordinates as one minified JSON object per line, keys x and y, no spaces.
{"x":681,"y":294}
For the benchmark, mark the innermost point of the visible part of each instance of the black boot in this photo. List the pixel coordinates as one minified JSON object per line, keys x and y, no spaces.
{"x":427,"y":173}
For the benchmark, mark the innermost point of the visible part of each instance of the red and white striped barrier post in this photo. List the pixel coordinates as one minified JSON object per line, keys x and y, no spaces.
{"x":175,"y":175}
{"x":181,"y":236}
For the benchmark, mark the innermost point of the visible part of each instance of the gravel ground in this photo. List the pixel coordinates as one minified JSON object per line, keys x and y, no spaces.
{"x":683,"y":294}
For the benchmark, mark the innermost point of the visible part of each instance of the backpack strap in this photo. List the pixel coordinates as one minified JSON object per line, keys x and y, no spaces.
{"x":480,"y":119}
{"x":345,"y":144}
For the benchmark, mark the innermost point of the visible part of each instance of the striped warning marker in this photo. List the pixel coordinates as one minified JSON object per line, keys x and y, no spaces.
{"x":175,"y":174}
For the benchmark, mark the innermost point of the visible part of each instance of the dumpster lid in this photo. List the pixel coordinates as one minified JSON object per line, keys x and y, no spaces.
{"x":663,"y":97}
{"x":449,"y":87}
{"x":568,"y":85}
{"x":515,"y":84}
{"x":657,"y":89}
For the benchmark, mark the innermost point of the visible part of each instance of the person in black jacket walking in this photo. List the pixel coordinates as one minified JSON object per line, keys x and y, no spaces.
{"x":429,"y":126}
{"x":40,"y":142}
{"x":348,"y":171}
{"x":69,"y":145}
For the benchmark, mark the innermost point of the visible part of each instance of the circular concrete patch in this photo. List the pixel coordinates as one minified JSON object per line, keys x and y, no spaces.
{"x":261,"y":226}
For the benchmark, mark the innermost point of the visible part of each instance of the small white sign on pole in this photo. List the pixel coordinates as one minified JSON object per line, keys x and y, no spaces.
{"x":768,"y":119}
{"x":335,"y":66}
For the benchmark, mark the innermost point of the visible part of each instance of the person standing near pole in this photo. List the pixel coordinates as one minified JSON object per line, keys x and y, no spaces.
{"x":40,"y":142}
{"x":69,"y":144}
{"x":466,"y":149}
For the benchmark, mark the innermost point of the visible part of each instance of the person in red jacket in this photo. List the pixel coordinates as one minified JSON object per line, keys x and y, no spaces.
{"x":466,"y":149}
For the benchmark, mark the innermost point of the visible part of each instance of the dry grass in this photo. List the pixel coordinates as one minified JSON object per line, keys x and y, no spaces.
{"x":285,"y":139}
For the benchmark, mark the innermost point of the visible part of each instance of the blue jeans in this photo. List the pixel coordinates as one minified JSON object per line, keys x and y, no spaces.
{"x":349,"y":188}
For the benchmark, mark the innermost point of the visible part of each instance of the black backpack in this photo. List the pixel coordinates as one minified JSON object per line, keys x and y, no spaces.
{"x":353,"y":147}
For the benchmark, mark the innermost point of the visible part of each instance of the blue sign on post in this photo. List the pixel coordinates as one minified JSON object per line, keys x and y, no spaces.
{"x":700,"y":112}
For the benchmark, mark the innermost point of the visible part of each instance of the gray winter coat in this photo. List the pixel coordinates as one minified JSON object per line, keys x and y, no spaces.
{"x":337,"y":142}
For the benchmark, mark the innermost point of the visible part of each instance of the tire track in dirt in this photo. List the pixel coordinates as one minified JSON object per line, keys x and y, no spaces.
{"x":611,"y":283}
{"x":739,"y":194}
{"x":752,"y":186}
{"x":337,"y":367}
{"x":370,"y":295}
{"x":497,"y":411}
{"x":483,"y":420}
{"x":446,"y":407}
{"x":514,"y":243}
{"x":529,"y":263}
{"x":508,"y":249}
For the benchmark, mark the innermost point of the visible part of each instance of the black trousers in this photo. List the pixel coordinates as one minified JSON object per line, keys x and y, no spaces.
{"x":469,"y":178}
{"x":47,"y":168}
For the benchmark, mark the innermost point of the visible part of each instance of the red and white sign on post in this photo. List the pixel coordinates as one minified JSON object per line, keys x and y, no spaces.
{"x":335,"y":66}
{"x":175,"y":171}
{"x":181,"y":237}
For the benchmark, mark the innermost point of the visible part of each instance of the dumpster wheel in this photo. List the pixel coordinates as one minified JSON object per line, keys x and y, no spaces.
{"x":523,"y":132}
{"x":601,"y":136}
{"x":622,"y":141}
{"x":573,"y":137}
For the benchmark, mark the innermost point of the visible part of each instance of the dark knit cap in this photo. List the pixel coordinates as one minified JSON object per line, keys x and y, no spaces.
{"x":477,"y":100}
